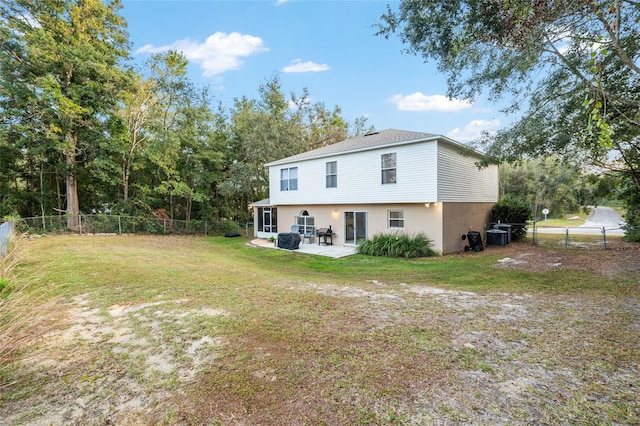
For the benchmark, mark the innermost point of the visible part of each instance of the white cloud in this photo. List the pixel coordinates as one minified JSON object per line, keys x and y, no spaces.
{"x":421,"y":102}
{"x":474,"y":130}
{"x":219,"y":53}
{"x":299,"y":66}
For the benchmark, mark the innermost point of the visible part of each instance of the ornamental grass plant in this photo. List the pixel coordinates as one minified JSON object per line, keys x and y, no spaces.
{"x":398,"y":245}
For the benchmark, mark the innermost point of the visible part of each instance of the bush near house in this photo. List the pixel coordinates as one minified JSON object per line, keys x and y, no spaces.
{"x":514,"y":211}
{"x":397,"y":245}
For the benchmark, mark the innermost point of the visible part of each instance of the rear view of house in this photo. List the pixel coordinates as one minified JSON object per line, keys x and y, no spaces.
{"x":382,"y":182}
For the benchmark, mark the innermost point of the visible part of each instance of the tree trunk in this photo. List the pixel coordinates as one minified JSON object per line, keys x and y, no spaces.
{"x":73,"y":204}
{"x":125,"y":180}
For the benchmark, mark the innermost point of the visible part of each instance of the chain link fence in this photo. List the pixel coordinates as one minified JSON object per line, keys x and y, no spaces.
{"x":566,"y":237}
{"x":577,"y":237}
{"x":118,"y":224}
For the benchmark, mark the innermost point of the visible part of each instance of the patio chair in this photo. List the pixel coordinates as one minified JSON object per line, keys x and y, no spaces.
{"x":308,"y":235}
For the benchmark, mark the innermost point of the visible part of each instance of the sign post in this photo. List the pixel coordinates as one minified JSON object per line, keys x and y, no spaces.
{"x":545,"y":212}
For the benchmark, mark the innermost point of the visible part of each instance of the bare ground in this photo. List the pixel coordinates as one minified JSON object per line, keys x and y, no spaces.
{"x":492,"y":358}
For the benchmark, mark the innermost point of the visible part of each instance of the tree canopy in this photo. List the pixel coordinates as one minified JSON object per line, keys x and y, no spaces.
{"x":575,"y":61}
{"x":82,"y":129}
{"x":570,"y":68}
{"x":62,"y":76}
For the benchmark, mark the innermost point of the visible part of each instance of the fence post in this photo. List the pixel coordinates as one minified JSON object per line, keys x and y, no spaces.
{"x":80,"y":223}
{"x":534,"y":232}
{"x":206,"y":227}
{"x":6,"y":232}
{"x":119,"y":225}
{"x":566,"y":237}
{"x":604,"y":238}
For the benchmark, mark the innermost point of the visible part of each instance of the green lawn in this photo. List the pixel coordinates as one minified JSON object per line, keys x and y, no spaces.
{"x":191,"y":330}
{"x":568,"y":220}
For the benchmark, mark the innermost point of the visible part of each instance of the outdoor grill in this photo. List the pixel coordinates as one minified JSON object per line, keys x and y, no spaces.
{"x":325,"y":235}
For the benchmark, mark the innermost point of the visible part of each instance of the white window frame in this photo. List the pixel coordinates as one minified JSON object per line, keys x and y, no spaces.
{"x":388,"y":164}
{"x":332,"y":175}
{"x":396,"y":222}
{"x":289,"y":179}
{"x":305,"y":224}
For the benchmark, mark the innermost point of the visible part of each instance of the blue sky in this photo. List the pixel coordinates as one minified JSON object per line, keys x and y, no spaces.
{"x":328,"y":47}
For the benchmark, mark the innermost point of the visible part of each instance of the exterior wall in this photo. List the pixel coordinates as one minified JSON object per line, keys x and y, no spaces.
{"x":460,"y":180}
{"x":460,"y":218}
{"x":417,"y":217}
{"x":436,"y":172}
{"x":359,"y":178}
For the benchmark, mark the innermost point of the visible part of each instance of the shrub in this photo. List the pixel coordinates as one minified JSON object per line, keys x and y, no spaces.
{"x":397,"y":245}
{"x":514,"y":211}
{"x":632,"y":217}
{"x":5,"y":289}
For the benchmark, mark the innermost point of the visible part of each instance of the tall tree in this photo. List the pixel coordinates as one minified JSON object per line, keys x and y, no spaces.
{"x":136,"y":113}
{"x":203,"y":139}
{"x":62,"y":72}
{"x":264,"y":130}
{"x":548,"y":182}
{"x":576,"y":61}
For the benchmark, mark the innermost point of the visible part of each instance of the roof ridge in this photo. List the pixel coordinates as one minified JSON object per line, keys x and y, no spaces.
{"x":369,"y":140}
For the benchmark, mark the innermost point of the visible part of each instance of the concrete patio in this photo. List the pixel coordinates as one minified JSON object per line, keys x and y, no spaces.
{"x":310,"y":248}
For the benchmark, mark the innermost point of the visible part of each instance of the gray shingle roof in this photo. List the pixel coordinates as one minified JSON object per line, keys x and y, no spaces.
{"x":370,"y":140}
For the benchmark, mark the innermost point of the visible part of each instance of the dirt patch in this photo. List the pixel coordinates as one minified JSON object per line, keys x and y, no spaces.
{"x":95,"y":355}
{"x":529,"y":257}
{"x":366,"y":352}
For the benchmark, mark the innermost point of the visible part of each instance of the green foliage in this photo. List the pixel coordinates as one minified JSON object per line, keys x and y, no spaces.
{"x":631,"y":198}
{"x":574,"y":62}
{"x":397,"y":245}
{"x":5,"y":287}
{"x":514,"y":211}
{"x":551,"y":183}
{"x":63,"y":66}
{"x":79,"y":128}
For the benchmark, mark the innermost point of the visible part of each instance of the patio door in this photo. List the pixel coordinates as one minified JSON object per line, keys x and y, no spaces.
{"x":269,"y":220}
{"x":355,"y":227}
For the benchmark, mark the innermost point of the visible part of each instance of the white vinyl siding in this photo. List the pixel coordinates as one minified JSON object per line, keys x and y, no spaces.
{"x":416,"y":171}
{"x":460,"y":180}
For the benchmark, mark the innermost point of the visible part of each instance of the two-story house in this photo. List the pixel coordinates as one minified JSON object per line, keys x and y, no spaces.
{"x":383,"y":182}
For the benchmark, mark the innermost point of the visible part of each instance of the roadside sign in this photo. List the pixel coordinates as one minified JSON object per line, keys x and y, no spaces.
{"x":545,"y":212}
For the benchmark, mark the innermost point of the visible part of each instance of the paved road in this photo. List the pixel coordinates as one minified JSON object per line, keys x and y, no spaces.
{"x":604,"y":217}
{"x":600,"y":217}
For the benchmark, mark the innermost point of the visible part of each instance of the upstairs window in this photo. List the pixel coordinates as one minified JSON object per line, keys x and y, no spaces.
{"x":332,"y":174}
{"x":289,"y":179}
{"x":388,"y":168}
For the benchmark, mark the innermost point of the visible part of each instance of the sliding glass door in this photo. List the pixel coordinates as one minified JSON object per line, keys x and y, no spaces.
{"x":355,"y":227}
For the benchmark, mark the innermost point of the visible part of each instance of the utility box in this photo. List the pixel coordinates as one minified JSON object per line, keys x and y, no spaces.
{"x":504,"y":227}
{"x":497,"y":237}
